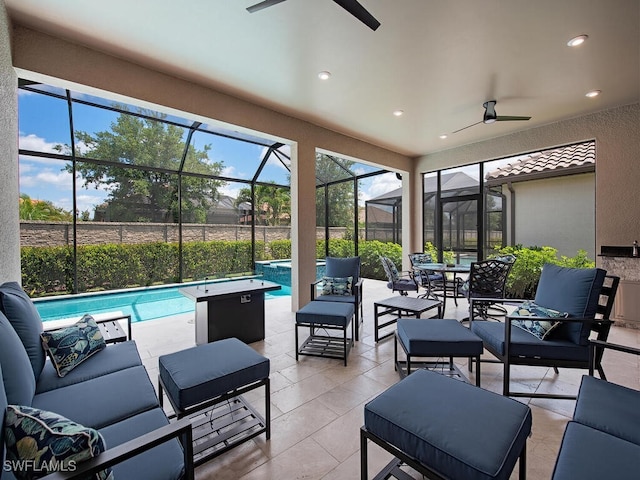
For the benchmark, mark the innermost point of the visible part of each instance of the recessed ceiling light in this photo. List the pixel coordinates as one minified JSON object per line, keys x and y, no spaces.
{"x":398,"y":113}
{"x":443,"y":136}
{"x":593,"y":93}
{"x":579,"y":40}
{"x":324,"y":75}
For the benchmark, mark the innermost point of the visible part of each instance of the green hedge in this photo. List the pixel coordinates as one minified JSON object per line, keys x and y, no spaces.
{"x":525,"y":274}
{"x":49,"y":270}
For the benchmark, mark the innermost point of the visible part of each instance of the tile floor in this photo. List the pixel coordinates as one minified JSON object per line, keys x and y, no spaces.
{"x":317,"y":404}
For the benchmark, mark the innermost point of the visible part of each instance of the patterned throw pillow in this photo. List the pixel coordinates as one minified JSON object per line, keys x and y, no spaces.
{"x":69,"y":347}
{"x":40,"y":442}
{"x":540,"y":328}
{"x":337,"y":285}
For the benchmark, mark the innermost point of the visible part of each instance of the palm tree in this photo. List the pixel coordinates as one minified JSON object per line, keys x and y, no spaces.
{"x":31,"y":209}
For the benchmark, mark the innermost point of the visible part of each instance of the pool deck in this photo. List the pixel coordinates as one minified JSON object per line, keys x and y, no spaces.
{"x":317,"y":403}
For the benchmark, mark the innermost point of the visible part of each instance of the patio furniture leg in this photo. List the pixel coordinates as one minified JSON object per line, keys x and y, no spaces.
{"x":363,"y":456}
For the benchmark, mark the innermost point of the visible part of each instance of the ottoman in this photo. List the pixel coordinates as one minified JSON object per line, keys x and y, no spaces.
{"x":444,"y":428}
{"x":325,"y":317}
{"x":206,"y":384}
{"x":436,"y":338}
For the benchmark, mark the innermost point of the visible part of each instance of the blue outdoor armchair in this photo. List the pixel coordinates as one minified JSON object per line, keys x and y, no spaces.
{"x":336,"y":270}
{"x":553,"y":330}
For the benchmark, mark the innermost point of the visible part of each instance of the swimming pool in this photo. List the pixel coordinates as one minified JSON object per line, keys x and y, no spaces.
{"x":142,"y":304}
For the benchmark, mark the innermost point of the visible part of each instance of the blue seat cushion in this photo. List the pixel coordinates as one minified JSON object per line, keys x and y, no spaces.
{"x":403,"y":285}
{"x":26,"y":321}
{"x":589,"y":454}
{"x":205,"y":372}
{"x":103,"y":400}
{"x":610,"y":408}
{"x":526,"y":345}
{"x":328,"y":313}
{"x":117,"y":356}
{"x":437,"y":337}
{"x":164,"y":462}
{"x":572,"y":290}
{"x":456,"y":429}
{"x":19,"y":380}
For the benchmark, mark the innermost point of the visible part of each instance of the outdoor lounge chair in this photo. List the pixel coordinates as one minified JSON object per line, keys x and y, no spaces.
{"x":570,"y":304}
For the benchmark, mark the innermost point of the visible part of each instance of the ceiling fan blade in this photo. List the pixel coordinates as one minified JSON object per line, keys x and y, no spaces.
{"x":468,"y":126}
{"x":358,"y":11}
{"x":507,"y":118}
{"x":264,"y":4}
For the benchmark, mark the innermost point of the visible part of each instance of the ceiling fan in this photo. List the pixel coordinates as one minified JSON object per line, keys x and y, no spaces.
{"x":490,"y":116}
{"x":351,"y":6}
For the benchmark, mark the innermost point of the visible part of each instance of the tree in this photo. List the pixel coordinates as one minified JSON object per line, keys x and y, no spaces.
{"x":31,"y":209}
{"x":272,"y":204}
{"x":340,"y":195}
{"x":149,"y":191}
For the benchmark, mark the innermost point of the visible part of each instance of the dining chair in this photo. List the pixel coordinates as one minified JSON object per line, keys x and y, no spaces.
{"x":487,"y":280}
{"x":431,"y":281}
{"x":399,"y":281}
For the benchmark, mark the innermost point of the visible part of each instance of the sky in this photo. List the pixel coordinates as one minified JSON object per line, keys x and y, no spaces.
{"x":43,"y":125}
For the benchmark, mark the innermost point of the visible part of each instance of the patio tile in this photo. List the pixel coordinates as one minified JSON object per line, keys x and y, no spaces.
{"x":317,"y":404}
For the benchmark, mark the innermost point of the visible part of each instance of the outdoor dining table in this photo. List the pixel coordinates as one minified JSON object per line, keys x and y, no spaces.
{"x":450,"y":287}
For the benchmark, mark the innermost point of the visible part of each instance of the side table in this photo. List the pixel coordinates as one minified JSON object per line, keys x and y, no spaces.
{"x":399,"y":306}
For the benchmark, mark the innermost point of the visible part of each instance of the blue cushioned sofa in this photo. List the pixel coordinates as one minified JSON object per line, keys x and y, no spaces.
{"x":110,"y":392}
{"x":603,"y":438}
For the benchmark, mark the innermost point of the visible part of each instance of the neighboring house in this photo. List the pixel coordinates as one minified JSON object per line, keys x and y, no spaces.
{"x":550,"y":198}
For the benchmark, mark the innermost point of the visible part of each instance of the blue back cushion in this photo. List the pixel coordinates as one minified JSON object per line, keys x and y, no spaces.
{"x":26,"y":321}
{"x":343,"y":267}
{"x":572,"y":290}
{"x":19,"y":382}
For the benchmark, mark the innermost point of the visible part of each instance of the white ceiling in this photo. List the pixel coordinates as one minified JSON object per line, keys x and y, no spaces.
{"x":436,"y":60}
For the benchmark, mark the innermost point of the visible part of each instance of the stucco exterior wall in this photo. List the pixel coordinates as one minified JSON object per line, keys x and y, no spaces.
{"x":556,"y":212}
{"x":9,"y":225}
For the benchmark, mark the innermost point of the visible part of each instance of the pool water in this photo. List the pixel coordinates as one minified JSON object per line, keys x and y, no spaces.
{"x":141,"y":304}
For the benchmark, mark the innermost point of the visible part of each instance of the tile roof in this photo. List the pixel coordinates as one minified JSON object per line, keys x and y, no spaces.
{"x":559,"y":161}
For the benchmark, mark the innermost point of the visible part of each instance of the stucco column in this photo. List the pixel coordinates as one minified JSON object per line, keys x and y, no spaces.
{"x":9,"y":217}
{"x":303,"y":222}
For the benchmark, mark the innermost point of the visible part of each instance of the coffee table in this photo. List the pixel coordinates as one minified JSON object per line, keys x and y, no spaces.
{"x":400,"y":306}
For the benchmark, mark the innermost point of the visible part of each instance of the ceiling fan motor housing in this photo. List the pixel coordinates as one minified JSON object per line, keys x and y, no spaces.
{"x":489,"y":111}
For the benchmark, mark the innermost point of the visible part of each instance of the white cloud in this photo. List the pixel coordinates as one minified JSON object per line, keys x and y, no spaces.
{"x":380,"y":184}
{"x":43,"y":178}
{"x":36,"y":143}
{"x":273,"y":159}
{"x":88,"y":202}
{"x":229,"y":171}
{"x":231,"y":190}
